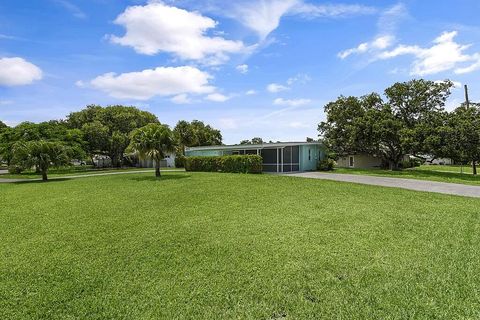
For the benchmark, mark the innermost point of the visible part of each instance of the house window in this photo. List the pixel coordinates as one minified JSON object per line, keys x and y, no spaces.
{"x":309,"y":155}
{"x":351,"y":162}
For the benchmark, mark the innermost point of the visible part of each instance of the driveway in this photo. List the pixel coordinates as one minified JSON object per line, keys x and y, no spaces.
{"x":410,"y":184}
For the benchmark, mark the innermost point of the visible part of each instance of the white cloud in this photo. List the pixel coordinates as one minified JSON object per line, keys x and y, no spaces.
{"x":243,"y":68}
{"x":300,"y":78}
{"x":379,"y":43}
{"x":385,"y":38}
{"x":181,"y":99}
{"x":162,"y":81}
{"x":18,"y":72}
{"x":275,"y":88}
{"x":444,"y":55}
{"x":264,"y":16}
{"x":456,"y":84}
{"x":217,"y":97}
{"x":251,"y":92}
{"x":291,"y":103}
{"x":473,"y":67}
{"x":156,"y":28}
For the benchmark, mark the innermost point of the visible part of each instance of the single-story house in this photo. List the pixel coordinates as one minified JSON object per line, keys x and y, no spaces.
{"x":168,"y":162}
{"x":277,"y":157}
{"x":440,"y":161}
{"x":359,"y":161}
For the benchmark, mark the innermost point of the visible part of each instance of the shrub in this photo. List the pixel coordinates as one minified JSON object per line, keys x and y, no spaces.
{"x":326,"y":165}
{"x":180,"y":161}
{"x":234,"y":164}
{"x":15,"y":169}
{"x":411,"y":163}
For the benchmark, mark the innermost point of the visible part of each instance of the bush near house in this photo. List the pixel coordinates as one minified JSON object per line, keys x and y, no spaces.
{"x":180,"y":161}
{"x":234,"y":164}
{"x":326,"y":165}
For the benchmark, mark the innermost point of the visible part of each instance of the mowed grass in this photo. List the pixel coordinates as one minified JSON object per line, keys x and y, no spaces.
{"x":466,"y":169}
{"x":75,"y":171}
{"x":226,"y":246}
{"x":432,"y":173}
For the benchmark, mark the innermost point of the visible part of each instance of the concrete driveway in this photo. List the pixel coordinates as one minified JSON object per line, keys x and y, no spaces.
{"x":410,"y":184}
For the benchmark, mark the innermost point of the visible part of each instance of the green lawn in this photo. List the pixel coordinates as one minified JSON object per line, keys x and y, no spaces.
{"x":226,"y":246}
{"x":450,"y":168}
{"x":72,"y":171}
{"x":433,"y":173}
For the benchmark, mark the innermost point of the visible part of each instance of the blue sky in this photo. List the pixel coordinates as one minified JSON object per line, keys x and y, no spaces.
{"x":251,"y":68}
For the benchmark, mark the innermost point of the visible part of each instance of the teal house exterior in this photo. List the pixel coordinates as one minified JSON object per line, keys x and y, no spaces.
{"x":277,"y":157}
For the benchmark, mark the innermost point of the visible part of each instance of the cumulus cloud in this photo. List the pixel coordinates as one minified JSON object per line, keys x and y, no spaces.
{"x":291,"y":102}
{"x":156,"y":27}
{"x":251,"y":92}
{"x":18,"y":72}
{"x":217,"y":97}
{"x":275,"y":88}
{"x":162,"y":81}
{"x":445,"y":54}
{"x":243,"y":68}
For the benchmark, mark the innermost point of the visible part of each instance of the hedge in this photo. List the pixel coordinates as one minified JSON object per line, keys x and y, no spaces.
{"x":235,"y":164}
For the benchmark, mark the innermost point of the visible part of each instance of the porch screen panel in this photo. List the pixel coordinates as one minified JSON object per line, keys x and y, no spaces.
{"x":269,"y":160}
{"x":291,"y":159}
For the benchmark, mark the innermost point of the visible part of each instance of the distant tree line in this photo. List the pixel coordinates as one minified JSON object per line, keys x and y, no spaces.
{"x":114,"y":131}
{"x":410,"y":120}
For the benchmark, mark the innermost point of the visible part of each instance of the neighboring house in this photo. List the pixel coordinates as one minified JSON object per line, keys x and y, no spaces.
{"x":359,"y":161}
{"x":277,"y":157}
{"x":101,"y":161}
{"x":440,"y":161}
{"x":168,"y":162}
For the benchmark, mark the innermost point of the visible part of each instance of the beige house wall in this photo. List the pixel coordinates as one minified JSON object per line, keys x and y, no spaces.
{"x":360,"y":161}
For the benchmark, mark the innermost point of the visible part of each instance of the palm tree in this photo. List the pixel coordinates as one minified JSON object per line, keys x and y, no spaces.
{"x":40,"y":154}
{"x":152,"y":141}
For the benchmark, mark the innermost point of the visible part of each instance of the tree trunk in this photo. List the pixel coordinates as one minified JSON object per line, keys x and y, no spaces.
{"x":393,"y":165}
{"x":44,"y":175}
{"x":157,"y":169}
{"x":474,"y":167}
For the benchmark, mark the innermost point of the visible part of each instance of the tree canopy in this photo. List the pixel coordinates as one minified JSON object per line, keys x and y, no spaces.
{"x":403,"y":123}
{"x":107,"y":129}
{"x":195,"y":134}
{"x":255,"y":140}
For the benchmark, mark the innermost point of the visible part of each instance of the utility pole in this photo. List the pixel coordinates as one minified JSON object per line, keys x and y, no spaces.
{"x":467,"y":104}
{"x":467,"y":101}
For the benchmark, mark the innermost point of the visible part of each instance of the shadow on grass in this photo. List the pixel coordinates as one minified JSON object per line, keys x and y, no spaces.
{"x":30,"y":181}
